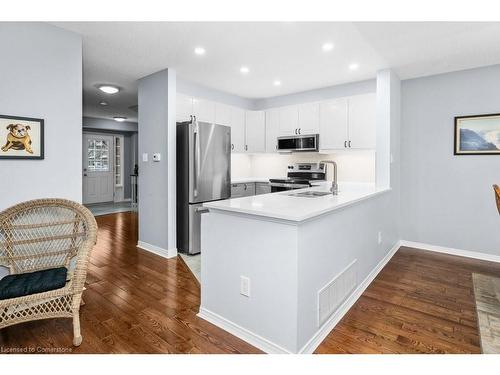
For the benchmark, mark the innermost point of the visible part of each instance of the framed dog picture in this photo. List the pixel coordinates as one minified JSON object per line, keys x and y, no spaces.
{"x":477,"y":135}
{"x":21,"y":137}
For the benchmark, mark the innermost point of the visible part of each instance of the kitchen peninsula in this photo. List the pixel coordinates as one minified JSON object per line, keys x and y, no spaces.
{"x":279,"y":270}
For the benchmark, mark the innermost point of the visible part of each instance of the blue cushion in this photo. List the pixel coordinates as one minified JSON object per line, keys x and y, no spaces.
{"x":24,"y":284}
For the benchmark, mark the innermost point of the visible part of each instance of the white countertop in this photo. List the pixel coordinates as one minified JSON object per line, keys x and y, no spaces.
{"x":283,"y":206}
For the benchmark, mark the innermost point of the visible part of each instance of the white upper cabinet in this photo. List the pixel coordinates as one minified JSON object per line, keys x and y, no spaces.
{"x":237,"y":130}
{"x":204,"y":110}
{"x":333,"y":124}
{"x":308,"y":118}
{"x":362,"y":121}
{"x":288,"y":120}
{"x":222,"y":114}
{"x":183,"y":108}
{"x":255,"y":131}
{"x":272,"y":129}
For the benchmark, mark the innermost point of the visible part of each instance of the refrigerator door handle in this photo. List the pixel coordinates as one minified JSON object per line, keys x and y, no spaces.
{"x":196,"y":142}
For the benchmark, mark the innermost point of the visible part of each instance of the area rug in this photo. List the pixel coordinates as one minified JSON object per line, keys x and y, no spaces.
{"x":487,"y":295}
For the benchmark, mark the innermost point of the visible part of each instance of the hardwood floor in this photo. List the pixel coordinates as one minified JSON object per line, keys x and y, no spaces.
{"x":421,"y":302}
{"x":137,"y":302}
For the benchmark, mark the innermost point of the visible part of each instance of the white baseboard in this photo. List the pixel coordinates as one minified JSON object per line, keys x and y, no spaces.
{"x":165,"y":253}
{"x":243,"y":333}
{"x":330,"y":324}
{"x":451,"y":251}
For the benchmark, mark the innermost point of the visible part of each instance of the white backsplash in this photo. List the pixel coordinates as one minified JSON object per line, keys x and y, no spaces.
{"x":353,"y":166}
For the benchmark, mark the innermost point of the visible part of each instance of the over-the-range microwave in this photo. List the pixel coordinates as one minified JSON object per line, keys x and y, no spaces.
{"x":296,"y":143}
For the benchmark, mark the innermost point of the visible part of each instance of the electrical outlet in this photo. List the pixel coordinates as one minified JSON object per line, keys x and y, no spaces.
{"x":245,"y":286}
{"x":379,"y":238}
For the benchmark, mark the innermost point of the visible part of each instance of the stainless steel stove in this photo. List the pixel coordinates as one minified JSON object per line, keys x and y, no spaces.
{"x":299,"y":176}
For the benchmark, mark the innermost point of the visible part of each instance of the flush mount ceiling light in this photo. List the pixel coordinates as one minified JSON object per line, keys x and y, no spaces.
{"x":108,"y":89}
{"x":244,"y":69}
{"x":327,"y":47}
{"x":277,"y":83}
{"x":353,"y":66}
{"x":103,"y":103}
{"x":119,"y":118}
{"x":199,"y":51}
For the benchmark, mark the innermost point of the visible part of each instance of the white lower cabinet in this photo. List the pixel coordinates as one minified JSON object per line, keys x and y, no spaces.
{"x":272,"y":130}
{"x":255,"y":131}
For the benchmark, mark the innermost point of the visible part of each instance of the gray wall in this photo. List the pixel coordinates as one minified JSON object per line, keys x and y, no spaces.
{"x":157,"y":94}
{"x":41,"y":76}
{"x":200,"y":91}
{"x":354,"y":88}
{"x":448,"y":200}
{"x":105,"y":124}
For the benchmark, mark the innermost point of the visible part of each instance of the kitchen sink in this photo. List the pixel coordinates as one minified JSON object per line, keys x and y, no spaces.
{"x":310,"y":194}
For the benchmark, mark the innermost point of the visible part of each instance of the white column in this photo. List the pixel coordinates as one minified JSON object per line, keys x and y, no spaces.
{"x":388,"y":124}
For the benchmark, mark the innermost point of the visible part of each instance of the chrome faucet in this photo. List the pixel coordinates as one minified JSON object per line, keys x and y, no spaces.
{"x":335,"y":188}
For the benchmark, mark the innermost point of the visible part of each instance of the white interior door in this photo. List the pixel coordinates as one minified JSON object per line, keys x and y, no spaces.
{"x":97,"y":168}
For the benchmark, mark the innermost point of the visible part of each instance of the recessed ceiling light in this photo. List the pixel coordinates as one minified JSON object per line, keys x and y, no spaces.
{"x":119,"y":118}
{"x":353,"y":66}
{"x":244,"y":69}
{"x":327,"y":47}
{"x":108,"y":89}
{"x":277,"y":83}
{"x":103,"y":103}
{"x":199,"y":51}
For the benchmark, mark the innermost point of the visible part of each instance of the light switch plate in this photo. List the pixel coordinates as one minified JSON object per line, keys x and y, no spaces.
{"x":144,"y":157}
{"x":245,"y":286}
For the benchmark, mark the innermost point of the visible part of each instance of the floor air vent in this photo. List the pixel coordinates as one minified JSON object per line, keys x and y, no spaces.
{"x":331,"y":296}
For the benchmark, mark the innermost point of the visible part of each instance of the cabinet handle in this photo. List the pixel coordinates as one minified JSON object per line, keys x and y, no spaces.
{"x":345,"y":144}
{"x":232,"y":146}
{"x":349,"y":144}
{"x":245,"y":186}
{"x":295,"y":131}
{"x":276,"y":147}
{"x":299,"y":130}
{"x":246,"y":147}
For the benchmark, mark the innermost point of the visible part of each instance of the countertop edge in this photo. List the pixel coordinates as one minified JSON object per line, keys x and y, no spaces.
{"x":299,"y":219}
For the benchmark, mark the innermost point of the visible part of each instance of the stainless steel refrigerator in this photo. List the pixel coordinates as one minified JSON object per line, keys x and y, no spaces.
{"x":203,"y":175}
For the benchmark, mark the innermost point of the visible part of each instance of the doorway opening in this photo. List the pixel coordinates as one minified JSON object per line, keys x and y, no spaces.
{"x":109,"y":171}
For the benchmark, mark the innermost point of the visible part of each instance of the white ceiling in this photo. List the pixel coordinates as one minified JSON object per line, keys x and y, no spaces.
{"x":122,"y":52}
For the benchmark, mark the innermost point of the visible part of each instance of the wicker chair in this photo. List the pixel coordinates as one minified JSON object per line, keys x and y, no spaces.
{"x":45,"y":234}
{"x":496,"y":188}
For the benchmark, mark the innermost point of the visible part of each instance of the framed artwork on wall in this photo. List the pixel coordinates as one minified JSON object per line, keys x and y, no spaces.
{"x":477,"y":135}
{"x":21,"y":137}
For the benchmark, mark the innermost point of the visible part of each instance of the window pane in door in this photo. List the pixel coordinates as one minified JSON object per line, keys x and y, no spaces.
{"x":98,"y":155}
